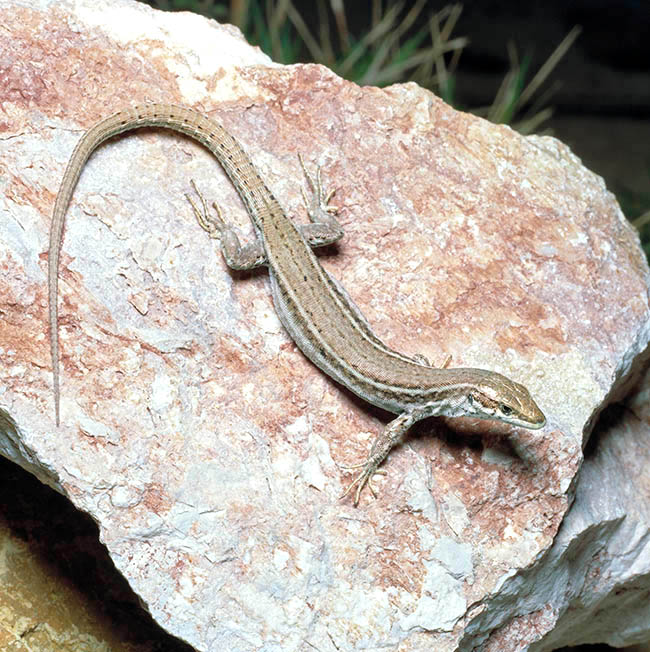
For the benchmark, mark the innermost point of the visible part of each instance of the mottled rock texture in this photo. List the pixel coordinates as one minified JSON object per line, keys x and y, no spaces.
{"x":203,"y":443}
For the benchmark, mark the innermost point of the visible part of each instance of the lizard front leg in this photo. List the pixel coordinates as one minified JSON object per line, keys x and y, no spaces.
{"x":324,"y":228}
{"x":380,"y":448}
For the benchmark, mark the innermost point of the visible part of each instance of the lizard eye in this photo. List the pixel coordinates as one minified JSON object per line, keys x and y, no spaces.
{"x":506,"y":410}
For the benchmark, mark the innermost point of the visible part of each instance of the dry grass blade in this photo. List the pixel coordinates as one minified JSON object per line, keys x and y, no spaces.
{"x":440,"y":36}
{"x":395,"y":71}
{"x":238,"y":12}
{"x":549,"y":64}
{"x":372,"y":75}
{"x":530,"y":125}
{"x":341,"y":23}
{"x":642,"y":220}
{"x":277,"y":15}
{"x":317,"y":53}
{"x":326,"y":45}
{"x":511,"y":96}
{"x":506,"y":93}
{"x":374,"y":35}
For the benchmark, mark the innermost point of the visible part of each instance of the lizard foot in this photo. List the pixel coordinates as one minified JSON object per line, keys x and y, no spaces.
{"x":363,"y":479}
{"x":320,"y":200}
{"x":214,"y":225}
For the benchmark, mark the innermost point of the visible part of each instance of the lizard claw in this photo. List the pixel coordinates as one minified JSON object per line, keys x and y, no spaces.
{"x":213,"y":225}
{"x":363,"y":479}
{"x":320,"y":200}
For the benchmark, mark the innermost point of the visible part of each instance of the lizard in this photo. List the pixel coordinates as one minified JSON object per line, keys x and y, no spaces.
{"x":318,"y":314}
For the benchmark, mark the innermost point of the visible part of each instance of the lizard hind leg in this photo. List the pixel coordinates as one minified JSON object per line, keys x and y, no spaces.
{"x":423,"y":360}
{"x":236,"y":256}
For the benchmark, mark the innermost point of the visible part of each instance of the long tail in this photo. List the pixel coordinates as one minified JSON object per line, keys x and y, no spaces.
{"x":234,"y":160}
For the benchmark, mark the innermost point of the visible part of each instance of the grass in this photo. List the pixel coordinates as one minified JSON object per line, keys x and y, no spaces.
{"x":636,"y":207}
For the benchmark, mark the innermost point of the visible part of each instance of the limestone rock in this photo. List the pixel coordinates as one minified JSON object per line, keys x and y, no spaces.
{"x":195,"y":433}
{"x":591,"y":586}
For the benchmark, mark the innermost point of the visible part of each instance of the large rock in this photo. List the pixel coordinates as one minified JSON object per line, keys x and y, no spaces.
{"x":208,"y":448}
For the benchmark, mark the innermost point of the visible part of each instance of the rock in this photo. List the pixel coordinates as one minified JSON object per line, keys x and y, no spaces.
{"x":59,"y":589}
{"x":204,"y":444}
{"x":591,"y":586}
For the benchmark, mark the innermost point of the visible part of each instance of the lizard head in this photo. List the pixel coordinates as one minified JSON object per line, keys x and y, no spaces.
{"x":494,"y":396}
